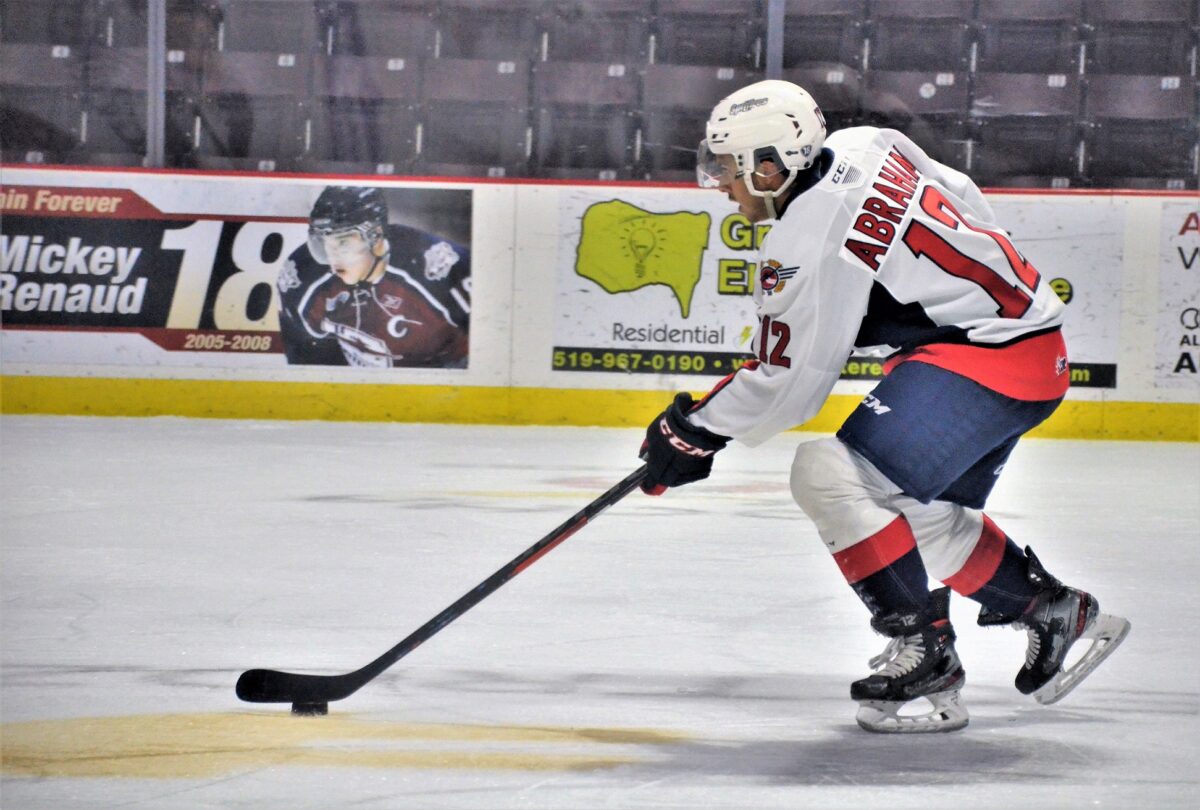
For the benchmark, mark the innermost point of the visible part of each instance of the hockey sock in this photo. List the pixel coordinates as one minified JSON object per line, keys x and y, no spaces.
{"x":994,"y":575}
{"x":886,"y":570}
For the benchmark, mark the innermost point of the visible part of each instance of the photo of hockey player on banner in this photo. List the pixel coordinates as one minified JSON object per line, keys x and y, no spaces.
{"x":363,"y":291}
{"x":154,"y":273}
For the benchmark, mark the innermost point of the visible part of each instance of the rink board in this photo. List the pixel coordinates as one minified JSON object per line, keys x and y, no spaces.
{"x":142,"y":292}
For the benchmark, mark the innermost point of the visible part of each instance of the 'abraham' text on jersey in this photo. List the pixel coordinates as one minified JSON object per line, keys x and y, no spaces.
{"x":893,"y":254}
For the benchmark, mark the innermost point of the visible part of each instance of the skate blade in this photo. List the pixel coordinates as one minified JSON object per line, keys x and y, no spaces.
{"x":883,"y":716}
{"x":1107,"y":633}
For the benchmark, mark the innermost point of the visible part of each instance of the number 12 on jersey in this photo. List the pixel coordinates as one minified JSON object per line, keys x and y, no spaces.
{"x":1012,"y":301}
{"x":773,"y":340}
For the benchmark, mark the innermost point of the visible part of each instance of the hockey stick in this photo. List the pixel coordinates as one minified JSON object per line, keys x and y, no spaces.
{"x":308,"y":694}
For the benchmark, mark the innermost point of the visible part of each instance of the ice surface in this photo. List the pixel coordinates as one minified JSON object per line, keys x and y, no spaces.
{"x":690,"y":651}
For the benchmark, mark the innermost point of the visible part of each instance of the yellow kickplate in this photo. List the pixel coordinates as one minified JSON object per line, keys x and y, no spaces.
{"x":179,"y":746}
{"x":244,"y":399}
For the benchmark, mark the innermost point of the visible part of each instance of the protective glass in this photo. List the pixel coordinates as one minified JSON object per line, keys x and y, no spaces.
{"x":346,"y":246}
{"x":713,"y":170}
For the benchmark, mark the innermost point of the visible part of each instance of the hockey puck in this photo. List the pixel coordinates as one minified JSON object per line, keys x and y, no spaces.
{"x":310,"y":709}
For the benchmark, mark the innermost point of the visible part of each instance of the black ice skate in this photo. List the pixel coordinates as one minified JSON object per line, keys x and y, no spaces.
{"x":919,"y":662}
{"x":1057,"y":618}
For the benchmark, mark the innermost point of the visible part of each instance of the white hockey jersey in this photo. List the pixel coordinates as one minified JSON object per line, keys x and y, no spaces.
{"x":890,"y":253}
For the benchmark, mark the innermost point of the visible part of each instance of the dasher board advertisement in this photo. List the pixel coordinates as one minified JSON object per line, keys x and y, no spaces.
{"x":653,"y":282}
{"x":279,"y":273}
{"x":660,"y":281}
{"x":1178,"y":355}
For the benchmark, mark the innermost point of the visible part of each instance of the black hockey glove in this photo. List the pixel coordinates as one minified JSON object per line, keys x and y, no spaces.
{"x":676,"y":452}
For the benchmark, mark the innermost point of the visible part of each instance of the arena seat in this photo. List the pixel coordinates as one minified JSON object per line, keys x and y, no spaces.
{"x":908,"y":35}
{"x":676,"y":102}
{"x":585,"y":118}
{"x":1029,"y":36}
{"x":475,"y":112}
{"x":699,"y":32}
{"x":823,"y":31}
{"x":1027,"y":124}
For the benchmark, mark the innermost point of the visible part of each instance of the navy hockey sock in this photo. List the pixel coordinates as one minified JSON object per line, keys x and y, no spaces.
{"x":886,"y":570}
{"x":994,"y":574}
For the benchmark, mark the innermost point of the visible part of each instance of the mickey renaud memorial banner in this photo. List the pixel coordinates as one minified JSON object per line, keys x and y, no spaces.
{"x":92,"y":275}
{"x":660,"y":282}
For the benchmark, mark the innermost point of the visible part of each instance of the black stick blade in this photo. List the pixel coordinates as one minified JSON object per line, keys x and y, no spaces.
{"x":270,"y":686}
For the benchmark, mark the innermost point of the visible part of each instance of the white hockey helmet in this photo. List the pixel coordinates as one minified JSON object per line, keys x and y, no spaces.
{"x":768,"y":120}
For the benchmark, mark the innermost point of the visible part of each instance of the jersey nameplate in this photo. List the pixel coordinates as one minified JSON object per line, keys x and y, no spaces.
{"x":870,"y":237}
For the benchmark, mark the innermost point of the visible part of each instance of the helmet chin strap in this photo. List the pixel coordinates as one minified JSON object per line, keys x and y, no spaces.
{"x":769,"y":199}
{"x":380,"y":258}
{"x":770,"y":196}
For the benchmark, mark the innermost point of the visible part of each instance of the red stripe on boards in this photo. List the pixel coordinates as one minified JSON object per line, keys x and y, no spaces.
{"x":877,"y":552}
{"x":983,"y":562}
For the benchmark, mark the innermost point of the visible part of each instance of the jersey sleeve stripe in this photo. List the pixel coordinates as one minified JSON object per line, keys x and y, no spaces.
{"x":303,"y":308}
{"x":433,"y":302}
{"x":749,"y":365}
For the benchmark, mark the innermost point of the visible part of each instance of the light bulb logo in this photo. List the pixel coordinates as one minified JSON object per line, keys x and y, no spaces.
{"x":642,"y":242}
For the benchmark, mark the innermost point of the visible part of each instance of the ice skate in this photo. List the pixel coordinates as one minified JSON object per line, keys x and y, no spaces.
{"x":1057,"y":618}
{"x":918,"y":663}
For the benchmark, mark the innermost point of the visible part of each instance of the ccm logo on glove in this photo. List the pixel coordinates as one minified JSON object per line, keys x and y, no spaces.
{"x":679,"y":444}
{"x":677,"y":452}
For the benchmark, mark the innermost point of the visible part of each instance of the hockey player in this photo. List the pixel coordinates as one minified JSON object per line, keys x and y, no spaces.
{"x":879,"y":249}
{"x":362,"y":292}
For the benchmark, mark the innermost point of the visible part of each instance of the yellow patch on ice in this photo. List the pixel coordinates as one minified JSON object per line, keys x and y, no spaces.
{"x":178,"y":746}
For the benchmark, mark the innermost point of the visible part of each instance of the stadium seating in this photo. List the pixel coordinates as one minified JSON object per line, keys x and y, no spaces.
{"x":585,"y":118}
{"x":275,"y":26}
{"x":614,"y":31}
{"x":252,"y":109}
{"x":1031,"y":92}
{"x":116,"y":105}
{"x":1142,"y":37}
{"x":924,"y":94}
{"x":1029,"y":36}
{"x":475,"y":113}
{"x":1026,"y":125}
{"x":1140,"y":126}
{"x":49,"y":22}
{"x":193,"y":26}
{"x":390,"y":29}
{"x":121,"y":24}
{"x":489,"y":29}
{"x":41,"y":101}
{"x":364,"y":113}
{"x":836,"y":89}
{"x":920,"y":35}
{"x":823,"y":31}
{"x":932,"y":108}
{"x":700,"y":32}
{"x":677,"y":100}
